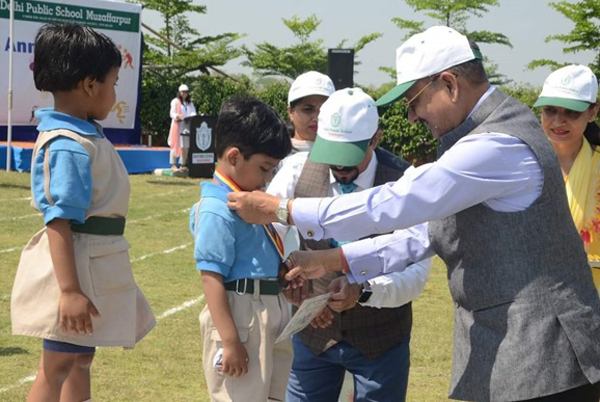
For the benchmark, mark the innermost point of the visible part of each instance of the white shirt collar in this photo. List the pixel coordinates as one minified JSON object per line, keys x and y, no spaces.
{"x":301,"y":145}
{"x":483,"y":97}
{"x":365,"y":179}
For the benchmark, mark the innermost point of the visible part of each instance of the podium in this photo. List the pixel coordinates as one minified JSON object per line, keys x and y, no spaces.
{"x":201,"y":156}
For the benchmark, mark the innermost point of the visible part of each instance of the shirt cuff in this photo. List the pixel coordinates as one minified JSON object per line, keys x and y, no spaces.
{"x":213,"y":266}
{"x":305,"y":213}
{"x":64,"y":212}
{"x":363,"y":260}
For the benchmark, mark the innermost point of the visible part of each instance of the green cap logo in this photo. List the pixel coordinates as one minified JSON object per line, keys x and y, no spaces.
{"x":335,"y":120}
{"x":567,"y":80}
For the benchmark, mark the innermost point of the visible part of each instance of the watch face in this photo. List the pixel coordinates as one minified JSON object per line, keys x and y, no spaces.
{"x":282,"y":214}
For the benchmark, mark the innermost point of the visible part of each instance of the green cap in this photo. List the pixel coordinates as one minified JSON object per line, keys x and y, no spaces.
{"x":395,"y":93}
{"x":338,"y":153}
{"x":571,"y":104}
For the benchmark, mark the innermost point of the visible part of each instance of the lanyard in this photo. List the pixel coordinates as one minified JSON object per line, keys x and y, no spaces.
{"x":272,"y":234}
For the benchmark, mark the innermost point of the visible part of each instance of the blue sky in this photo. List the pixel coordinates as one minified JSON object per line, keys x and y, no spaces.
{"x":526,"y":22}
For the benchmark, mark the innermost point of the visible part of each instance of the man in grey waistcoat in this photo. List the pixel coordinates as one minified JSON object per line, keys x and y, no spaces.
{"x":368,"y":335}
{"x":527,"y":315}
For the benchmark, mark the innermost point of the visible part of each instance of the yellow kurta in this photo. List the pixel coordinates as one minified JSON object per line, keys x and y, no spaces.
{"x":583,"y":193}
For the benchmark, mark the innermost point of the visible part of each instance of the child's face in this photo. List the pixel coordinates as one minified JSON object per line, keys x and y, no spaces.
{"x":104,"y":96}
{"x":254,"y":173}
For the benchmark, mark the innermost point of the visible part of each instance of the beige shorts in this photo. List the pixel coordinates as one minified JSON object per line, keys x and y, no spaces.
{"x":259,"y":320}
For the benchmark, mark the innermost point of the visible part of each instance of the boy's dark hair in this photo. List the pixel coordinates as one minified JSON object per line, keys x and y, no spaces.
{"x":253,"y":127}
{"x":65,"y":54}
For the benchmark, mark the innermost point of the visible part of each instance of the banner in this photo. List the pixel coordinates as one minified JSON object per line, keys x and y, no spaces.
{"x":119,"y":21}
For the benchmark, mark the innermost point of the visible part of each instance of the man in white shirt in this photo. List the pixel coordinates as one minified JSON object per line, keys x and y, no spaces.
{"x":527,"y":315}
{"x":370,"y":340}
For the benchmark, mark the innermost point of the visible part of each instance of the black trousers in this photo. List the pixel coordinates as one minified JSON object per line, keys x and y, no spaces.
{"x":585,"y":393}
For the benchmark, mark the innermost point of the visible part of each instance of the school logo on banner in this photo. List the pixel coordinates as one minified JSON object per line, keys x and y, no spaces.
{"x":121,"y":110}
{"x":203,"y":136}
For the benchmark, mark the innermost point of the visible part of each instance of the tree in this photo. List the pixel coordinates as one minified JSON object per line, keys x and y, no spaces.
{"x":455,"y":14}
{"x":584,"y":36}
{"x":181,"y":49}
{"x":294,"y":60}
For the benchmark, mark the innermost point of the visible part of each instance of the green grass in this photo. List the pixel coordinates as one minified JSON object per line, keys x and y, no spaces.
{"x":166,"y":365}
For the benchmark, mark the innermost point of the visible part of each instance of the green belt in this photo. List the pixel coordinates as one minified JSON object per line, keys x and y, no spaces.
{"x":101,"y":225}
{"x":246,"y":286}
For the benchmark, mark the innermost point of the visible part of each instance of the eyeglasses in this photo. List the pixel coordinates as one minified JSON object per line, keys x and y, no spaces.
{"x":410,"y":103}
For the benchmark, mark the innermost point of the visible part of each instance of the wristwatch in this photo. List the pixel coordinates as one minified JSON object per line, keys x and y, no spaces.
{"x":282,"y":212}
{"x":366,"y":293}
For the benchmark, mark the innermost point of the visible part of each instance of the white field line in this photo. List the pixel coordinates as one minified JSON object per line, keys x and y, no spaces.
{"x":181,"y":307}
{"x":169,"y":312}
{"x":10,"y":250}
{"x":15,"y":199}
{"x":147,"y":218}
{"x":22,"y":381}
{"x":15,"y":218}
{"x":169,"y":251}
{"x":166,"y":193}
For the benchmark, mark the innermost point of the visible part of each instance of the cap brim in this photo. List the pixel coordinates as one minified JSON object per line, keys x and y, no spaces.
{"x":338,"y":153}
{"x":395,"y":93}
{"x":571,"y":104}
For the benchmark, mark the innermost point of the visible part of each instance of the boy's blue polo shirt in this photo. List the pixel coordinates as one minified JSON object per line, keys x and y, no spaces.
{"x":70,"y":170}
{"x":227,"y":245}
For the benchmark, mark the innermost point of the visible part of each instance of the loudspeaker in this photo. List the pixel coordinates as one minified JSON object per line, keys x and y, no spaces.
{"x":340,"y":67}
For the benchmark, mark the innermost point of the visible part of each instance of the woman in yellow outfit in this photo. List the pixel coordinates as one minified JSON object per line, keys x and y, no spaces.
{"x":569,"y":110}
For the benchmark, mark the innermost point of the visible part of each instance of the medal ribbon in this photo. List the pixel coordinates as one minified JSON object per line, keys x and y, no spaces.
{"x":272,"y":234}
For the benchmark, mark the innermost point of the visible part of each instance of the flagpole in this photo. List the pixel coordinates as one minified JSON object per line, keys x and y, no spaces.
{"x":11,"y":30}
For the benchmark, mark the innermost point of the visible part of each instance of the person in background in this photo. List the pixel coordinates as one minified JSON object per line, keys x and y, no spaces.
{"x":369,"y":333}
{"x":569,"y":106}
{"x":179,"y":133}
{"x":74,"y":286}
{"x":306,"y":96}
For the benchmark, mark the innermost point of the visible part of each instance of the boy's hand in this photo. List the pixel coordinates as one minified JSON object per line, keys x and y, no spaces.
{"x":75,"y":313}
{"x":235,"y":359}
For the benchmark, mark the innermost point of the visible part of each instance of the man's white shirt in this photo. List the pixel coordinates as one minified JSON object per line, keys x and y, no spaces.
{"x":390,"y":290}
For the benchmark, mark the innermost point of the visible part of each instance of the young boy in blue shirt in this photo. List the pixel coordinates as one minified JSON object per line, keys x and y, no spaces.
{"x":239,"y":262}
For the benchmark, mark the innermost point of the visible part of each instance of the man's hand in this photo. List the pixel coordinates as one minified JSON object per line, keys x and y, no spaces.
{"x":312,"y":264}
{"x":345,"y":295}
{"x":324,"y":319}
{"x":296,"y":295}
{"x":256,"y":207}
{"x":76,"y":312}
{"x":305,"y":265}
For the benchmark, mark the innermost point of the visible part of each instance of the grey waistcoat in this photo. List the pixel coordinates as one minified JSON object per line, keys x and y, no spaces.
{"x":527,"y":315}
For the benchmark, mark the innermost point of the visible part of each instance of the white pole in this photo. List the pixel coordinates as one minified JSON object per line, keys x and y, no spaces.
{"x":11,"y":33}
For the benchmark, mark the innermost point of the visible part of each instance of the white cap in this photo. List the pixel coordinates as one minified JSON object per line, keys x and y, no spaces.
{"x":310,"y":83}
{"x":573,"y":87}
{"x":347,"y":122}
{"x":427,"y":53}
{"x":183,"y":88}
